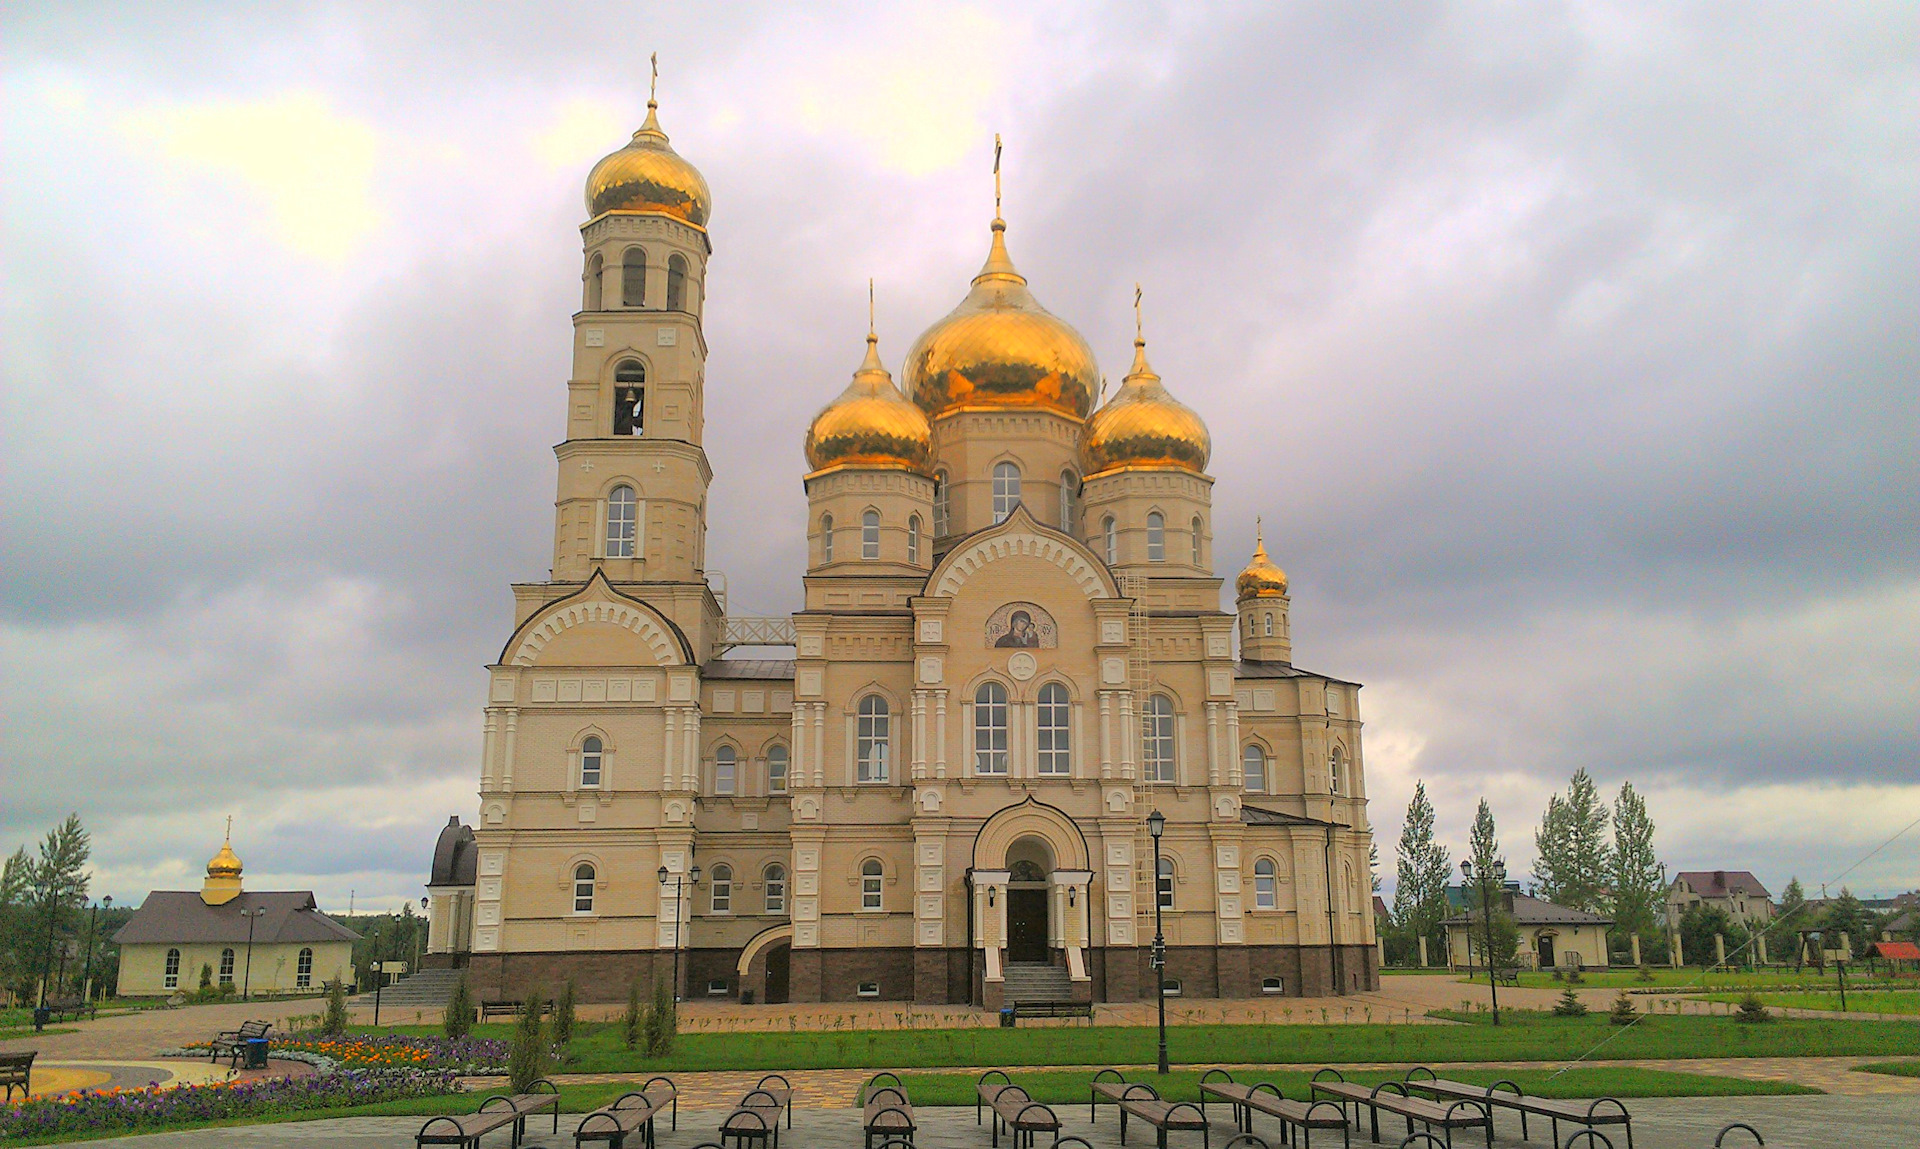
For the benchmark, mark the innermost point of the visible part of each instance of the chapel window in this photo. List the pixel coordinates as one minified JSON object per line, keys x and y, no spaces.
{"x":990,"y":729}
{"x":677,"y":283}
{"x":1336,"y":770}
{"x":622,"y":520}
{"x":1006,"y":490}
{"x":775,"y":881}
{"x":1196,"y":540}
{"x":1265,"y":885}
{"x":1156,"y":537}
{"x":871,"y":728}
{"x":592,"y":755}
{"x":726,"y":767}
{"x":870,"y":535}
{"x":583,"y":876}
{"x":1253,"y":764}
{"x":629,"y":397}
{"x":720,"y":893}
{"x":1267,"y":622}
{"x":633,"y":278}
{"x":173,"y":970}
{"x":913,"y":538}
{"x":776,"y":769}
{"x":826,"y":538}
{"x":1156,"y":737}
{"x":1053,"y":713}
{"x":1069,"y":493}
{"x":870,"y":876}
{"x":226,"y":967}
{"x":596,"y":267}
{"x":1110,"y":536}
{"x":303,"y":969}
{"x":941,"y":521}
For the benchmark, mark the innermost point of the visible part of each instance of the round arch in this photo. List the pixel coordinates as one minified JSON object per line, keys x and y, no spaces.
{"x":1031,"y":819}
{"x":762,"y":942}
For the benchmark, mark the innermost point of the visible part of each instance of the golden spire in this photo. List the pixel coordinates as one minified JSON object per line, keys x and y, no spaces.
{"x":1261,"y":579}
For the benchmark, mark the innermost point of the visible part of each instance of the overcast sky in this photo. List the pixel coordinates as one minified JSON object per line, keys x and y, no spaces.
{"x":1569,"y":351}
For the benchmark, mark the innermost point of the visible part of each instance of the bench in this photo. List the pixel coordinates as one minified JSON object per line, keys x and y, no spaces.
{"x":1053,"y":1009}
{"x":1104,"y":1088}
{"x":1392,"y":1096}
{"x":16,"y":1072}
{"x":231,"y":1043}
{"x":1014,"y":1111}
{"x":885,"y":1112}
{"x":1265,"y":1097}
{"x":1556,"y":1110}
{"x":631,"y":1113}
{"x":497,"y":1112}
{"x":69,"y":1007}
{"x":756,"y":1117}
{"x":489,"y":1009}
{"x":1144,"y":1103}
{"x":1509,"y":976}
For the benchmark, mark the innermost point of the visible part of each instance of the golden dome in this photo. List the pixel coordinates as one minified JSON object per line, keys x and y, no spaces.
{"x":649,"y":176}
{"x":1000,"y":348}
{"x":871,"y":424}
{"x":1261,"y":579}
{"x":225,"y":864}
{"x":1144,"y":426}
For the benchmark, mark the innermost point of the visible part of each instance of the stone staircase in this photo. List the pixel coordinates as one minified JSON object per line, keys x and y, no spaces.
{"x":422,"y":989}
{"x":1037,"y":981}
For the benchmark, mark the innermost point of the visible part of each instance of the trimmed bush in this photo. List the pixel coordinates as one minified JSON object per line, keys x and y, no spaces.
{"x":1570,"y":1004}
{"x":1752,"y":1010}
{"x":1622,"y":1012}
{"x":635,"y":1018}
{"x":333,"y":1022}
{"x":563,"y":1019}
{"x":527,"y":1058}
{"x":457,"y":1021}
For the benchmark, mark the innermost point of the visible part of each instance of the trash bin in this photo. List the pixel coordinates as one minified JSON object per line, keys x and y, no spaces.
{"x":1006,"y":1017}
{"x":41,"y":1015}
{"x":256,"y":1054}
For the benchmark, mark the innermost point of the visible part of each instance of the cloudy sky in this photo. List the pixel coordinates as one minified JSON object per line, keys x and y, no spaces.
{"x":1569,"y":351}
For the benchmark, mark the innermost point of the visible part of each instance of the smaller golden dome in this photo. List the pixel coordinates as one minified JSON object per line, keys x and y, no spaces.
{"x":871,"y":424}
{"x":648,"y":176}
{"x":1144,"y":426}
{"x":1261,"y":579}
{"x":225,"y":863}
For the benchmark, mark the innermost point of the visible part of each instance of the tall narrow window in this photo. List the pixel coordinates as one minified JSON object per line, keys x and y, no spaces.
{"x":990,"y":729}
{"x":1069,"y":493}
{"x":721,"y":892}
{"x":726,"y":767}
{"x":871,"y":729}
{"x":677,"y":283}
{"x":1336,"y":769}
{"x":826,"y":538}
{"x":1006,"y":490}
{"x":1110,"y":539}
{"x":775,"y":881}
{"x":1196,"y":540}
{"x":596,"y":268}
{"x":226,"y":967}
{"x":1266,"y":885}
{"x":172,"y":980}
{"x":870,"y":535}
{"x":1156,"y":537}
{"x":776,"y":769}
{"x":583,"y":888}
{"x":870,"y":877}
{"x":592,"y":754}
{"x":303,"y":969}
{"x":1165,"y":884}
{"x":621,"y":522}
{"x":1253,"y":764}
{"x":1269,"y":625}
{"x":913,"y":538}
{"x":629,"y":397}
{"x":633,"y":278}
{"x":1156,"y":738}
{"x":941,"y":522}
{"x":1054,"y":712}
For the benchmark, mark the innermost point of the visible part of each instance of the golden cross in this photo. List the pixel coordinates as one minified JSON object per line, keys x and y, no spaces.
{"x":996,"y":175}
{"x":229,"y":827}
{"x":653,"y":87}
{"x":1138,"y":328}
{"x":869,"y":305}
{"x":1259,"y":530}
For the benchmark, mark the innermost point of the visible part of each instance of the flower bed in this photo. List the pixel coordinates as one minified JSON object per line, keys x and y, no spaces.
{"x":467,"y":1056}
{"x":115,"y":1111}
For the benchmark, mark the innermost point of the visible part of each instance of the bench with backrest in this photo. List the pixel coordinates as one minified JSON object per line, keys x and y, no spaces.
{"x":1053,"y":1009}
{"x":756,"y":1116}
{"x":1266,"y":1098}
{"x":631,"y":1113}
{"x":1604,"y":1111}
{"x":501,"y":1111}
{"x":491,"y":1009}
{"x":69,"y":1007}
{"x":1144,"y":1103}
{"x":885,"y":1112}
{"x":232,"y":1043}
{"x":16,"y":1072}
{"x":1393,"y":1097}
{"x":1106,"y":1087}
{"x":1014,"y":1111}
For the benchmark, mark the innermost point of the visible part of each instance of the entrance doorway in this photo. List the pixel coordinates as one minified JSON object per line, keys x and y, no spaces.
{"x":1543,"y":946}
{"x":1027,"y":925}
{"x":779,"y":961}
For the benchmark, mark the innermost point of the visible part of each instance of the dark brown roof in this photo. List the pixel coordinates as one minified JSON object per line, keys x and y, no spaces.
{"x":455,"y":856}
{"x":1255,"y":816}
{"x":1527,"y":911}
{"x":170,"y":917}
{"x":1253,"y":668}
{"x":1722,"y":883}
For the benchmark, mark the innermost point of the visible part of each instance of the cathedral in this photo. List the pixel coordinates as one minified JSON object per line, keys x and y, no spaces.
{"x":1013,"y":737}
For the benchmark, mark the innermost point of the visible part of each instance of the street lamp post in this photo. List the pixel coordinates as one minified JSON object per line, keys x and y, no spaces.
{"x":420,"y":937}
{"x":691,"y":878}
{"x":92,"y":920}
{"x":252,"y":916}
{"x":1156,"y":826}
{"x":1499,"y":876}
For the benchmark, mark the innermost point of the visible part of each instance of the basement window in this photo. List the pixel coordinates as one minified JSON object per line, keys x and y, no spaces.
{"x":1272,"y":985}
{"x":717,"y":988}
{"x":1171,"y":986}
{"x":869,"y":989}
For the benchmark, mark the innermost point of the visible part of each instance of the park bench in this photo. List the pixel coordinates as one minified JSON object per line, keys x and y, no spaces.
{"x":1556,"y":1110}
{"x":1105,"y":1089}
{"x":1743,"y":1127}
{"x":501,"y":1111}
{"x":885,"y":1112}
{"x":1265,"y":1097}
{"x":1144,"y":1103}
{"x":232,"y":1043}
{"x":16,"y":1072}
{"x":756,"y":1117}
{"x":59,"y":1009}
{"x":631,"y":1113}
{"x":1509,"y":975}
{"x":1392,"y":1096}
{"x":1053,"y":1009}
{"x":1020,"y":1115}
{"x":491,"y":1009}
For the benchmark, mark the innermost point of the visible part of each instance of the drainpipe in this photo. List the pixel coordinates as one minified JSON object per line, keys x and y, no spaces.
{"x":969,"y":878}
{"x":1333,"y":950}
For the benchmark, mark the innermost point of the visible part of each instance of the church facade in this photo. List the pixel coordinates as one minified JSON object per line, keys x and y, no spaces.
{"x":1011,"y":653}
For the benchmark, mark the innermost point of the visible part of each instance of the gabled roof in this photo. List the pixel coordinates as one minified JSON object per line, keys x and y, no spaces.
{"x":1722,"y":883}
{"x":1528,"y":911}
{"x":179,"y":917}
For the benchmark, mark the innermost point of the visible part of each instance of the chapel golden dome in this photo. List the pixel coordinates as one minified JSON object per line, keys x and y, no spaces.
{"x":648,"y":176}
{"x":1261,"y":579}
{"x":1000,"y":348}
{"x":1144,"y":426}
{"x":871,"y":424}
{"x":223,"y":874}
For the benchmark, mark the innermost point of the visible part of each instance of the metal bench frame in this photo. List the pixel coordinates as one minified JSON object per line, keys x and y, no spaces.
{"x":1375,"y":1104}
{"x":617,"y":1136}
{"x":1523,"y":1103}
{"x":1243,"y":1111}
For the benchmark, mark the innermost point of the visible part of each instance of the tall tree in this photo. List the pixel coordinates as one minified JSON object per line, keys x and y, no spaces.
{"x":1420,"y":895}
{"x":1845,"y":915}
{"x":1573,"y":848}
{"x":1488,"y":863}
{"x":1635,"y":873}
{"x":59,"y":887}
{"x":16,"y":923}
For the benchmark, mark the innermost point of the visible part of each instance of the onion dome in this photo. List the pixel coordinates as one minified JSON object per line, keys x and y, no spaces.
{"x":1144,"y":426}
{"x":1001,"y":349}
{"x":225,"y":864}
{"x":1261,"y":579}
{"x":871,"y":424}
{"x":648,"y":176}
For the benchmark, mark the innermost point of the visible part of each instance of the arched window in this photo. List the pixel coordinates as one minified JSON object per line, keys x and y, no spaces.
{"x":622,"y":519}
{"x":1336,"y":771}
{"x":173,"y":970}
{"x":826,"y":538}
{"x":583,"y":888}
{"x":1196,"y":540}
{"x":721,"y":892}
{"x":226,"y":967}
{"x":1053,"y":711}
{"x":1156,"y":537}
{"x":1253,"y":763}
{"x":871,"y":729}
{"x":592,"y":754}
{"x":1069,"y":494}
{"x":1165,"y":884}
{"x":726,"y":767}
{"x":596,"y":267}
{"x":1268,"y":623}
{"x":677,"y":283}
{"x":629,"y":397}
{"x":1006,"y":490}
{"x":1266,"y":885}
{"x":870,"y":535}
{"x":303,"y":969}
{"x":776,"y":769}
{"x":870,"y":884}
{"x":990,"y":729}
{"x":633,"y":278}
{"x":913,"y":538}
{"x":1110,"y":538}
{"x":775,"y":878}
{"x":941,"y":521}
{"x":1156,"y":738}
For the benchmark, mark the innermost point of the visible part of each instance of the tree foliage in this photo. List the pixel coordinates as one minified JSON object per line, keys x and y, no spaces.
{"x":1488,"y":863}
{"x":1634,"y":871}
{"x":457,"y":1020}
{"x":1573,"y":848}
{"x":527,"y":1056}
{"x":1697,"y":928}
{"x":1420,"y":894}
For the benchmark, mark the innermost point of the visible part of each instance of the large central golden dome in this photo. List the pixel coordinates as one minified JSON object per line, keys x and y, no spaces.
{"x":1000,"y":348}
{"x":648,"y":176}
{"x":871,"y":424}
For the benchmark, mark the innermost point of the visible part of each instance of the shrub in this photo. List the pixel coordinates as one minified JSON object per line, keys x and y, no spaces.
{"x":333,"y":1022}
{"x":1622,"y":1012}
{"x":635,"y":1018}
{"x":457,"y":1021}
{"x":1645,"y":974}
{"x":1574,"y":976}
{"x":1570,"y":1004}
{"x":563,"y":1018}
{"x":206,"y":978}
{"x":662,"y":1021}
{"x":527,"y":1058}
{"x":1752,"y":1010}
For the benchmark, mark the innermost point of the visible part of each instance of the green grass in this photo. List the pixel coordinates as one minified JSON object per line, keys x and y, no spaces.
{"x":1860,"y":1001}
{"x":1895,"y":1068}
{"x":28,"y":1031}
{"x":1685,"y":978}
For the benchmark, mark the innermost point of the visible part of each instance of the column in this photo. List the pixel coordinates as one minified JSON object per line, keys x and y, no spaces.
{"x":1235,"y":777}
{"x":506,"y":766}
{"x":919,"y":735}
{"x":940,"y":733}
{"x":1068,"y":920}
{"x":1214,"y":772}
{"x":1106,"y":734}
{"x":990,"y":921}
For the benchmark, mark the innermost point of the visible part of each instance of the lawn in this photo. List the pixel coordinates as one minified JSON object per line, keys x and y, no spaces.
{"x":1861,"y":1001}
{"x":1895,"y":1068}
{"x":1666,"y":978}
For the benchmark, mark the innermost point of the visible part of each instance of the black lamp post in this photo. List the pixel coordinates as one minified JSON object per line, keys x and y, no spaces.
{"x":1499,"y":876}
{"x":420,"y":937}
{"x":92,"y":920}
{"x":246,"y":985}
{"x":1156,"y":826}
{"x":691,"y":878}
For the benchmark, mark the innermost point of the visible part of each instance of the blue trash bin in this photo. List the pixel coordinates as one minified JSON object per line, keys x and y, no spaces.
{"x":1006,"y":1017}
